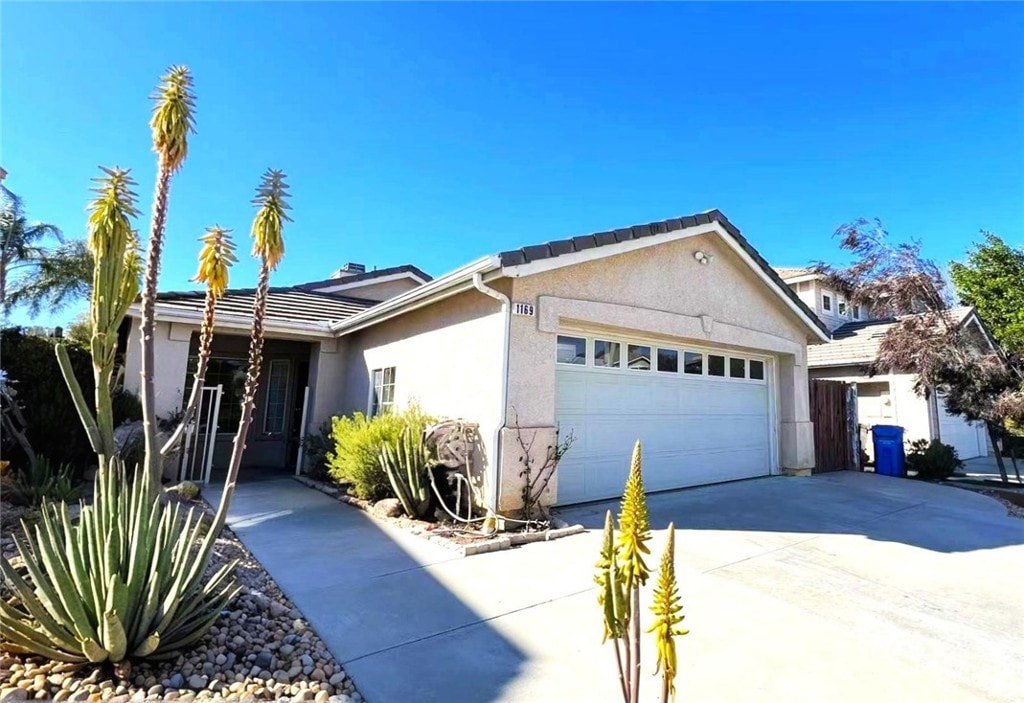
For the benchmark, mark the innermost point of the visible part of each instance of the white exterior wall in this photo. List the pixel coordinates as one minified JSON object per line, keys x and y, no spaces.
{"x":170,"y":352}
{"x":662,"y":293}
{"x":326,"y":382}
{"x":447,"y":357}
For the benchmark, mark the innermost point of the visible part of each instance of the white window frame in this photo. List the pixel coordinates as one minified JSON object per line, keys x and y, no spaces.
{"x":655,"y":345}
{"x":842,"y":309}
{"x":826,"y":303}
{"x":266,"y":396}
{"x":375,"y":404}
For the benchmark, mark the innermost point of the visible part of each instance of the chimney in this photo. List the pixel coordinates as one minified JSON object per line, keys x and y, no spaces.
{"x":349,"y":269}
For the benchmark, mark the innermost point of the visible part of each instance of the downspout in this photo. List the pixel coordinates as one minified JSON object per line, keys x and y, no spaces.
{"x":506,"y":309}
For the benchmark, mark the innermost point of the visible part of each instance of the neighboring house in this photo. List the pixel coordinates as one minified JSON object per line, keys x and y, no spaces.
{"x":885,"y":399}
{"x":675,"y":332}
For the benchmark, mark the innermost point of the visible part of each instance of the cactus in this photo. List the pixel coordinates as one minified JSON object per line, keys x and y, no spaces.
{"x":621,"y":572}
{"x":127,"y":580}
{"x":406,"y":464}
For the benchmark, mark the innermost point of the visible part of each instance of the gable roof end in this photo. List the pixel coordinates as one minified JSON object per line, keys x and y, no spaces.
{"x":549,"y":250}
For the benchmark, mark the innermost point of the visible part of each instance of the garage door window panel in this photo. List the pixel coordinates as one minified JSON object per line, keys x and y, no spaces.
{"x":607,"y":354}
{"x":571,"y":350}
{"x":716,"y":365}
{"x":756,"y":370}
{"x":639,"y":358}
{"x":668,"y":361}
{"x":737,"y":368}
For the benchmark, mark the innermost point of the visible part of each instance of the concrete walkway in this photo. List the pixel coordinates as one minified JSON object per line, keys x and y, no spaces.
{"x":840,"y":587}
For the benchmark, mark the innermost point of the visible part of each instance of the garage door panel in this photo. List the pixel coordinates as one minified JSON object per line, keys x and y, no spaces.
{"x":695,"y":430}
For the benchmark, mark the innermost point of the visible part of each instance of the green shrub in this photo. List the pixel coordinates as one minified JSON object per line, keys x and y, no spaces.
{"x":54,"y":427}
{"x":358,"y":440}
{"x":317,"y":446}
{"x":29,"y":487}
{"x":934,"y":460}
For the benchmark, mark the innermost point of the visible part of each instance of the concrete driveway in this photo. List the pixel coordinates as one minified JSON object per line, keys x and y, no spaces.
{"x":840,"y":587}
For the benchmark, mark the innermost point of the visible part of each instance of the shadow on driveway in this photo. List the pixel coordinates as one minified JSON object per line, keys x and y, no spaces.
{"x":930,"y":516}
{"x":367,"y":590}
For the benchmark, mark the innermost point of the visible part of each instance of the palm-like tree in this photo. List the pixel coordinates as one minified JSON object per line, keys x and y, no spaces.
{"x":21,"y":242}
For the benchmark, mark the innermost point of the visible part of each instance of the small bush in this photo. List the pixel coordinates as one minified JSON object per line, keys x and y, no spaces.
{"x":355,"y":457}
{"x":934,"y":460}
{"x":29,"y":487}
{"x":317,"y":446}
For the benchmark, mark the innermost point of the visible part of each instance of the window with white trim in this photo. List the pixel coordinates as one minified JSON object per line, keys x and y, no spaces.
{"x":856,"y":312}
{"x":275,"y":408}
{"x":607,"y":353}
{"x":756,"y":370}
{"x":693,"y":363}
{"x":639,"y":357}
{"x":826,"y":302}
{"x":842,"y":308}
{"x":668,"y":360}
{"x":382,"y":391}
{"x":737,"y":367}
{"x":571,"y":350}
{"x":716,"y":365}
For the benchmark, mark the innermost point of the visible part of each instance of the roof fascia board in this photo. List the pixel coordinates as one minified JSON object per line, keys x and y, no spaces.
{"x":240,"y":322}
{"x":439,"y":288}
{"x":803,"y":278}
{"x":341,"y":285}
{"x":749,"y":260}
{"x":579,"y":257}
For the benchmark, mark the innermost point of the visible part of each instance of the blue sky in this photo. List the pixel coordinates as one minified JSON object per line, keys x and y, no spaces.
{"x":434,"y":134}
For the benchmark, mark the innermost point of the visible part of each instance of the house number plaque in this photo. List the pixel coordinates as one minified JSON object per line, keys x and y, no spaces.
{"x":524,"y":309}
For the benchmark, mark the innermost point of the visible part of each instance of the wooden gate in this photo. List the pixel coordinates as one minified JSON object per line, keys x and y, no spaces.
{"x":834,"y":413}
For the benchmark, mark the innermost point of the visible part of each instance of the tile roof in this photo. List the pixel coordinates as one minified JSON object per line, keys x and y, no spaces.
{"x":787,"y":272}
{"x":856,"y":343}
{"x":366,"y":276}
{"x":525,"y":255}
{"x":289,"y":304}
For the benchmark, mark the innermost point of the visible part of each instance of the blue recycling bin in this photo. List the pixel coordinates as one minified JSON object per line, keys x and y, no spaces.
{"x":890,"y":459}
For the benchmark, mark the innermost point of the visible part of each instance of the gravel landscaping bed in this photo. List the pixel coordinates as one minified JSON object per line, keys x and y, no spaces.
{"x":1014,"y":502}
{"x":466,"y":542}
{"x":261,"y":648}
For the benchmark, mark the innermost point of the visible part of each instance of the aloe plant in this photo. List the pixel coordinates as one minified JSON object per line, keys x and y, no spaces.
{"x":127,"y":580}
{"x":406,"y":463}
{"x":621,"y":572}
{"x":130,"y":580}
{"x":114,"y":247}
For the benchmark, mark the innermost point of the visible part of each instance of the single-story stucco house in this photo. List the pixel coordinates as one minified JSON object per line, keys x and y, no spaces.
{"x":675,"y":332}
{"x":884,"y":399}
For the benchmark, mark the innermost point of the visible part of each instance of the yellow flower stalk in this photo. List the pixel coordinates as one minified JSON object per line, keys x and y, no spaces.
{"x":666,"y":609}
{"x":613,"y":601}
{"x":272,"y":200}
{"x":634,"y":524}
{"x":215,"y":258}
{"x":172,"y":122}
{"x":173,"y":117}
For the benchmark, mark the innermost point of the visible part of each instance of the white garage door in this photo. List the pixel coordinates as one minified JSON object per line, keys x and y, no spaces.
{"x":703,"y":416}
{"x":967,"y":438}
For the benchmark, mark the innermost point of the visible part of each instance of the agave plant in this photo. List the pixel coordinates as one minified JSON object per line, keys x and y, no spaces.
{"x":621,"y":572}
{"x":128,"y":580}
{"x":406,"y":464}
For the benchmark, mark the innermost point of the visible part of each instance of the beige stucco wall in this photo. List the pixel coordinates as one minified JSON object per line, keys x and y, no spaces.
{"x":664,"y":293}
{"x":909,"y":410}
{"x":447,"y":357}
{"x":170,"y":352}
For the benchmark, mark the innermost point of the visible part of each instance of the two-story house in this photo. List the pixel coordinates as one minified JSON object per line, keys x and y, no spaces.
{"x":886,"y":398}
